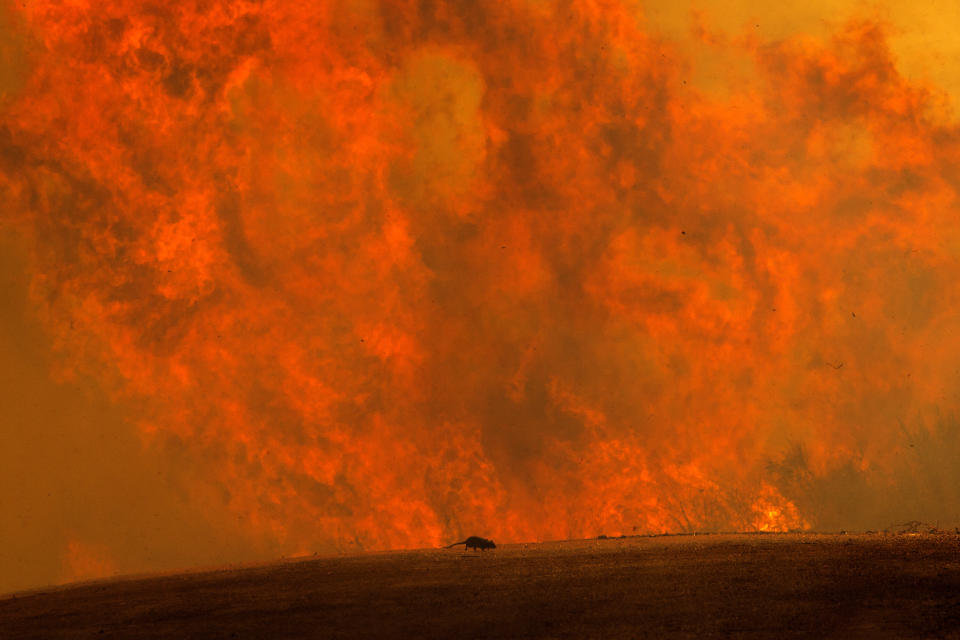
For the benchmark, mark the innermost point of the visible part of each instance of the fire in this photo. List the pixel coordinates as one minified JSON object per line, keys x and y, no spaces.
{"x":380,"y":274}
{"x":775,"y":513}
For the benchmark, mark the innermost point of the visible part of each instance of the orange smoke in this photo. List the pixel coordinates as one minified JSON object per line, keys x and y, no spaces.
{"x":385,"y":274}
{"x":84,"y":561}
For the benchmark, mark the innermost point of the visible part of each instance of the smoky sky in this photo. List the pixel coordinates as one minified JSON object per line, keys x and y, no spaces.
{"x":286,"y":279}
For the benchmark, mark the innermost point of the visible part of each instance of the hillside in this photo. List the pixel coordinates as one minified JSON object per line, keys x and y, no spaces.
{"x":794,"y":585}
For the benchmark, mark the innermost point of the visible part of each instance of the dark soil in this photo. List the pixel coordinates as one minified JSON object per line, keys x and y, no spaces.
{"x":741,"y":586}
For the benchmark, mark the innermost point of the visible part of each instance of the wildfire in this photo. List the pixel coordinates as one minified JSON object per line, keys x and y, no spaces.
{"x":382,"y":273}
{"x":774,"y":513}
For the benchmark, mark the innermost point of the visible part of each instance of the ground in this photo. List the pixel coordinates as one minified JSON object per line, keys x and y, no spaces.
{"x":746,"y":586}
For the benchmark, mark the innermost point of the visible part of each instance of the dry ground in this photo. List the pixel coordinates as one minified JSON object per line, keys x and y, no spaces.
{"x":749,"y":586}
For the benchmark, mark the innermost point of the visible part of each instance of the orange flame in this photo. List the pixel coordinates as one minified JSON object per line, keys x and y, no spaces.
{"x":384,"y":273}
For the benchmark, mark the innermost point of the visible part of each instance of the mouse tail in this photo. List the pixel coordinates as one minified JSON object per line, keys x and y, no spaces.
{"x":455,"y":544}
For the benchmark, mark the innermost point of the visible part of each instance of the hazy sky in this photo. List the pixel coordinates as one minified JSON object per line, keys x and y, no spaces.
{"x":279,"y":280}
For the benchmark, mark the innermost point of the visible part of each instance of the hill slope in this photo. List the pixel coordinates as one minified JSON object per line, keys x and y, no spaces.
{"x":689,"y":586}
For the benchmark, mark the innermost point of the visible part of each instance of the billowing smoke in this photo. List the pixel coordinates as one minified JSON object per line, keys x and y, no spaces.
{"x":379,"y":274}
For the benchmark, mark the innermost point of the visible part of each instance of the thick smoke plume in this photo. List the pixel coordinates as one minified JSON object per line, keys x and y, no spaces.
{"x":379,"y":274}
